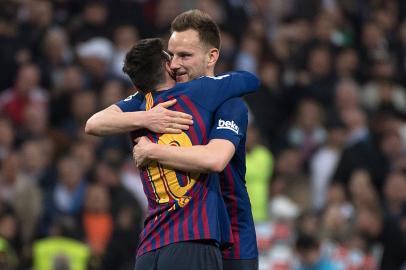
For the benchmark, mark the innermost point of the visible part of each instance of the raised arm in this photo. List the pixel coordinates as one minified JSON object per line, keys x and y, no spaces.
{"x":113,"y":120}
{"x":213,"y":91}
{"x":212,"y":157}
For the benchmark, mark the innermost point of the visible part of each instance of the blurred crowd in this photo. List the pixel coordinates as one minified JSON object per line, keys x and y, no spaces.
{"x":326,"y":147}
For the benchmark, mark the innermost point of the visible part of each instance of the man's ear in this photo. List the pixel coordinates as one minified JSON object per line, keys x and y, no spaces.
{"x":169,"y":70}
{"x":168,"y":67}
{"x":213,"y":57}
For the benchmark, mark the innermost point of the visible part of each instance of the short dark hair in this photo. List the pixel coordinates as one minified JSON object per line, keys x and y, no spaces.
{"x":209,"y":32}
{"x":144,"y":64}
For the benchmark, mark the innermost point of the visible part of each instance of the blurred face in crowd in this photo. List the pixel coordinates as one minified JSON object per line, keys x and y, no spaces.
{"x":336,"y":137}
{"x":166,"y":11}
{"x":402,"y":33}
{"x":41,"y":12}
{"x":392,"y":145}
{"x":346,"y":94}
{"x":372,"y":36}
{"x":97,"y":199}
{"x":395,"y":188}
{"x":387,"y":18}
{"x":289,"y":162}
{"x":112,"y":91}
{"x":257,"y":27}
{"x":386,"y":91}
{"x":383,"y":69}
{"x":212,"y":7}
{"x":269,"y":74}
{"x":8,"y":227}
{"x":7,"y":133}
{"x":353,"y":118}
{"x":319,"y":63}
{"x":309,"y":257}
{"x":252,"y":137}
{"x":368,"y":223}
{"x":191,"y":58}
{"x":85,"y":153}
{"x":69,"y":173}
{"x":125,"y":37}
{"x":308,"y":116}
{"x":33,"y":157}
{"x":36,"y":120}
{"x":308,"y":223}
{"x":106,"y":175}
{"x":347,"y":62}
{"x":334,"y":221}
{"x":335,"y":194}
{"x":360,"y":180}
{"x":96,"y":66}
{"x":362,"y":191}
{"x":9,"y":168}
{"x":28,"y":77}
{"x":95,"y":13}
{"x":84,"y":105}
{"x":251,"y":45}
{"x":72,"y":79}
{"x":324,"y":27}
{"x":55,"y":45}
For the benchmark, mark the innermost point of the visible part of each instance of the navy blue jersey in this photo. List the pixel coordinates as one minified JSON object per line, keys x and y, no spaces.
{"x":185,"y":206}
{"x":230,"y":123}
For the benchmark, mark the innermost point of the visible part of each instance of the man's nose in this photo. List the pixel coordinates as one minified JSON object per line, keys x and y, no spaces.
{"x":175,"y":63}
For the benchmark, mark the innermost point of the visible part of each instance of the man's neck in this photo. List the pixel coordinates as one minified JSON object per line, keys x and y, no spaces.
{"x":167,"y":84}
{"x":209,"y":73}
{"x":164,"y":86}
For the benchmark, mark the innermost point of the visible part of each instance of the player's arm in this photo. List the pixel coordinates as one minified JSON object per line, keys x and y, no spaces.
{"x":123,"y":117}
{"x":212,"y":157}
{"x":230,"y":127}
{"x":113,"y":120}
{"x":213,"y":91}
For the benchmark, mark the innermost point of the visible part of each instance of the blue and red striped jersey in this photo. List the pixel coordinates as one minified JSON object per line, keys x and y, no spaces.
{"x":230,"y":123}
{"x":185,"y":206}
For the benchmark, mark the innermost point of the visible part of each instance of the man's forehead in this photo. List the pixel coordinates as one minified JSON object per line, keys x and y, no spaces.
{"x":185,"y":39}
{"x":185,"y":48}
{"x":182,"y":48}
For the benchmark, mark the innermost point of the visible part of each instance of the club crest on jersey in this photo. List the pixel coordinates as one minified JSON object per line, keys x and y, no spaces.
{"x":228,"y":125}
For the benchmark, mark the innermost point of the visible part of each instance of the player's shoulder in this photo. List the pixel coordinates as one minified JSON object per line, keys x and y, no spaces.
{"x":131,"y":103}
{"x":215,"y":78}
{"x":233,"y":106}
{"x":236,"y":102}
{"x":136,"y":97}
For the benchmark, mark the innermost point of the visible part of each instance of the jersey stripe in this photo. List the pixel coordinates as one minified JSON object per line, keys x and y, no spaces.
{"x":234,"y":211}
{"x":150,"y":101}
{"x":196,"y":116}
{"x":198,"y":229}
{"x":192,"y":130}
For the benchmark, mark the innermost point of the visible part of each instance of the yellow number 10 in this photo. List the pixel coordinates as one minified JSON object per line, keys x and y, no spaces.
{"x":164,"y":180}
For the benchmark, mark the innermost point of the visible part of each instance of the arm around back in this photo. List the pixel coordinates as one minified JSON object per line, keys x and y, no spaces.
{"x":212,"y":157}
{"x":112,"y":121}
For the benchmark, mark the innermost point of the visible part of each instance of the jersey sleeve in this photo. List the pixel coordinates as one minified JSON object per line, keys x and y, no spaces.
{"x":213,"y":91}
{"x":230,"y":121}
{"x":131,"y":103}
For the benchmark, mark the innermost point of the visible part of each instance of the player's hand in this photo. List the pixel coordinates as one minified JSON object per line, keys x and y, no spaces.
{"x":140,"y":151}
{"x":162,"y":120}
